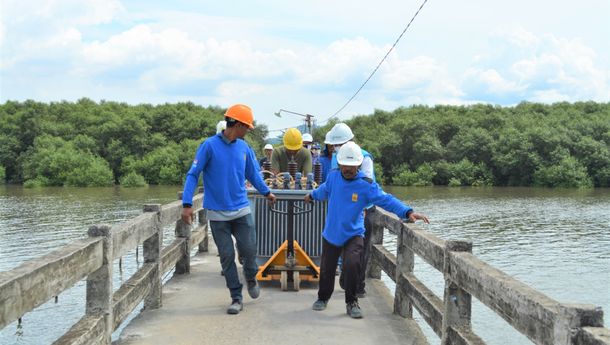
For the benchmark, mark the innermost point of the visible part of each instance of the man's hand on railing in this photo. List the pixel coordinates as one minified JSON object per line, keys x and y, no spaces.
{"x":187,"y":215}
{"x":271,"y":198}
{"x":412,"y":216}
{"x":308,"y":198}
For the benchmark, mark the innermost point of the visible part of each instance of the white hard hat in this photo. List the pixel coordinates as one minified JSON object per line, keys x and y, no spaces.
{"x":268,"y":147}
{"x":327,"y":138}
{"x":350,"y":154}
{"x":340,"y":134}
{"x":221,"y":126}
{"x":307,"y":137}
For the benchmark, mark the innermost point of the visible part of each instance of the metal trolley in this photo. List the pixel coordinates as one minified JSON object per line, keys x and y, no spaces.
{"x":289,"y":237}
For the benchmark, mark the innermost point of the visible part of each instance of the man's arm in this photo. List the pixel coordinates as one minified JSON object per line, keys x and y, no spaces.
{"x":192,"y":177}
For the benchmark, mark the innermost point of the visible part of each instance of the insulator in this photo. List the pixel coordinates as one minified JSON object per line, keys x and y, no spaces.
{"x":286,"y":177}
{"x":297,"y":181}
{"x":317,"y":172}
{"x":310,"y":180}
{"x":292,"y":167}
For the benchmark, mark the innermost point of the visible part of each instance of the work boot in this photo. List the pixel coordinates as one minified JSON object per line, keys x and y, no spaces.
{"x":253,"y":290}
{"x":235,"y":307}
{"x":353,"y":310}
{"x":319,"y":305}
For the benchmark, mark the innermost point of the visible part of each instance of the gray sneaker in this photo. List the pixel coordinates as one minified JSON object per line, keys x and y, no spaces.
{"x":353,"y":310}
{"x":319,"y":305}
{"x":253,"y":290}
{"x":235,"y":307}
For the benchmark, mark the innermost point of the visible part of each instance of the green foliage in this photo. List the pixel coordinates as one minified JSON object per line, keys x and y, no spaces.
{"x":53,"y":161}
{"x":2,"y":173}
{"x":568,"y":173}
{"x":469,"y":174}
{"x":66,"y":143}
{"x":39,"y":181}
{"x":421,"y":177}
{"x":78,"y":143}
{"x":132,"y":179}
{"x":504,"y":146}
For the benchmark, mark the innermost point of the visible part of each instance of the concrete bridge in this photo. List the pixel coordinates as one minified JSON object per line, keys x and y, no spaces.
{"x":190,"y":308}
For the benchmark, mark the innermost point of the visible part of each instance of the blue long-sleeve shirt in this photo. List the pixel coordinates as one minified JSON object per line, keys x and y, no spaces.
{"x":346,"y":201}
{"x":226,"y":166}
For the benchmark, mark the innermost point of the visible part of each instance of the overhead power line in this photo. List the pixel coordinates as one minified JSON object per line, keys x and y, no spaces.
{"x":380,"y":62}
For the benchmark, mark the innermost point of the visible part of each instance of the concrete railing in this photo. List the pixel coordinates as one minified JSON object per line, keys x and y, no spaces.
{"x":39,"y":280}
{"x":537,"y":316}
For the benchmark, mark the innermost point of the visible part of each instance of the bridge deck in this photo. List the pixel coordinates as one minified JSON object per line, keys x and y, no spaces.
{"x":194,"y":312}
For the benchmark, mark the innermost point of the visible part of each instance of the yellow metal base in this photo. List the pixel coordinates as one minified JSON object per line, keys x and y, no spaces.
{"x":278,"y":259}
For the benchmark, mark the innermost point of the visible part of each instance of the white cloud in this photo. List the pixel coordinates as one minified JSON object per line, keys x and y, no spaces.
{"x":538,"y":67}
{"x":491,"y":81}
{"x":213,"y":52}
{"x":62,"y":12}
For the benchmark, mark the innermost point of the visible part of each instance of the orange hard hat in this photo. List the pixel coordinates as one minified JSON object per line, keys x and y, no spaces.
{"x":241,"y":113}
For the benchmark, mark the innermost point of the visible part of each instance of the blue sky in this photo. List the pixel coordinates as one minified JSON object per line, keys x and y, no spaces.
{"x":308,"y":57}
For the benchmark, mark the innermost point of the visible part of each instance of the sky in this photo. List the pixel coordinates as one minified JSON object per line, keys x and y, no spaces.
{"x":308,"y":57}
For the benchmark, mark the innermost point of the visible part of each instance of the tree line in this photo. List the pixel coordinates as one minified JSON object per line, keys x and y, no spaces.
{"x":86,"y":143}
{"x":530,"y":144}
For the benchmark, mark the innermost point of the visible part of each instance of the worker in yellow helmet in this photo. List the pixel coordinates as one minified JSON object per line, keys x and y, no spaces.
{"x":292,"y":149}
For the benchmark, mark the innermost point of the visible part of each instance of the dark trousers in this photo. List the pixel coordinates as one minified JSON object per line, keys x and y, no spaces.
{"x":366,"y":254}
{"x":352,"y":266}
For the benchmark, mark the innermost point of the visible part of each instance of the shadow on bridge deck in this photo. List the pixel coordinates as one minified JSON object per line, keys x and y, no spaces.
{"x":194,"y":312}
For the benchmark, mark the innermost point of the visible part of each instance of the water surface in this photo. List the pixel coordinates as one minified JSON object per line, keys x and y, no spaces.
{"x":555,"y":240}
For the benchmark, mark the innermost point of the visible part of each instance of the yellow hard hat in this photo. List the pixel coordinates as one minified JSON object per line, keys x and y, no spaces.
{"x":293,"y":139}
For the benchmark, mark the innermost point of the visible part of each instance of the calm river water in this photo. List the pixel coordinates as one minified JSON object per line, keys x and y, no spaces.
{"x":557,"y":241}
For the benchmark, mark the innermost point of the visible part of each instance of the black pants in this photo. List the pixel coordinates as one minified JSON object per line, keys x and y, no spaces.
{"x":366,"y":254}
{"x":352,"y":267}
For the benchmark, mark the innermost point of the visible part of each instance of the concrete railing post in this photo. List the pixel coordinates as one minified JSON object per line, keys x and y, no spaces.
{"x":99,"y":283}
{"x":405,"y":262}
{"x":571,"y":318}
{"x":152,"y":254}
{"x":203,"y":220}
{"x":458,"y":303}
{"x":183,"y":230}
{"x":373,"y":268}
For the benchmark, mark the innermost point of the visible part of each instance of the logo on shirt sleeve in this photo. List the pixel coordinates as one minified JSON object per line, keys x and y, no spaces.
{"x":355,"y":197}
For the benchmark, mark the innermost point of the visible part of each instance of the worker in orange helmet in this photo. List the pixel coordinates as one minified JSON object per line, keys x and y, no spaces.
{"x":226,"y":161}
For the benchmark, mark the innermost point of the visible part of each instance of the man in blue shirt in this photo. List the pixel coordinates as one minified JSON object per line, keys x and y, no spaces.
{"x":226,"y":161}
{"x":348,"y":192}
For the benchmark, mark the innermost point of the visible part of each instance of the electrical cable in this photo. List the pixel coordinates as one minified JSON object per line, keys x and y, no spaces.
{"x":379,"y":64}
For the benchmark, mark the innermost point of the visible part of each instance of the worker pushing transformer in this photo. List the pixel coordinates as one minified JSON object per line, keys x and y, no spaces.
{"x":348,"y":192}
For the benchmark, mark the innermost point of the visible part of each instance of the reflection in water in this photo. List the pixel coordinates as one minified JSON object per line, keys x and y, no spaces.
{"x":556,"y":241}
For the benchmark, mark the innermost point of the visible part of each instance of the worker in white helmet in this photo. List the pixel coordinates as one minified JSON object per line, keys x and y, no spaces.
{"x":307,"y":141}
{"x":338,"y":136}
{"x":267,"y":150}
{"x":348,"y":192}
